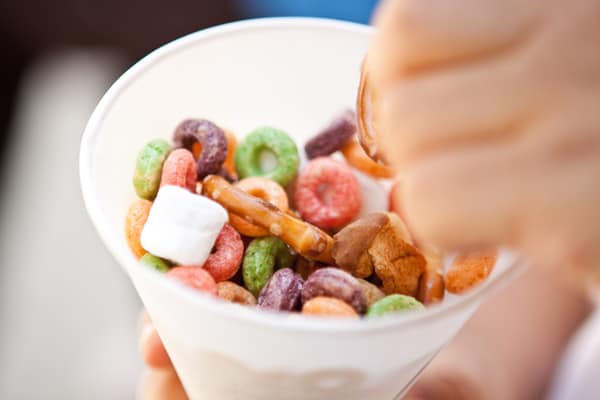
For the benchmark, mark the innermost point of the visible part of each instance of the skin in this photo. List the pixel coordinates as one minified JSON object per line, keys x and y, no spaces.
{"x":488,"y":111}
{"x":472,"y":94}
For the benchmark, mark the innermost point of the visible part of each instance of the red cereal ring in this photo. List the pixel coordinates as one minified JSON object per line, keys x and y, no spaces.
{"x":194,"y":277}
{"x":226,"y":260}
{"x":327,"y":194}
{"x":179,"y":169}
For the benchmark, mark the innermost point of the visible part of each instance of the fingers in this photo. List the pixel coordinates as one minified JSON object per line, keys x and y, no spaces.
{"x":415,"y":34}
{"x":152,"y":349}
{"x":467,"y":198}
{"x":161,"y":384}
{"x":448,"y":109}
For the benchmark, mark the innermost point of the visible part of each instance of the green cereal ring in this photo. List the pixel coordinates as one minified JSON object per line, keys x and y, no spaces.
{"x":148,"y":168}
{"x":262,"y":257}
{"x":154,"y":262}
{"x":247,"y":155}
{"x":392,"y":304}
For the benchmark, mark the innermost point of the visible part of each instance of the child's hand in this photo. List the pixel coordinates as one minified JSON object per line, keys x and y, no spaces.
{"x":490,"y":110}
{"x":161,"y":382}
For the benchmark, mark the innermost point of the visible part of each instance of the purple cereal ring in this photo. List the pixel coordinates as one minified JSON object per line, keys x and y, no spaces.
{"x":332,"y":138}
{"x":282,"y":291}
{"x":213,"y":141}
{"x":333,"y":282}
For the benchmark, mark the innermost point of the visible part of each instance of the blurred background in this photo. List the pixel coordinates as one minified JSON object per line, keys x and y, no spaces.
{"x":68,"y":314}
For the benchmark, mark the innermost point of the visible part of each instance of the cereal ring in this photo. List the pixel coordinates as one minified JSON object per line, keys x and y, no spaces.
{"x":372,"y":292}
{"x":394,"y":303}
{"x":431,"y":285}
{"x":304,"y":238}
{"x":327,"y":193}
{"x":155,"y":262}
{"x":229,"y":163}
{"x":194,"y":277}
{"x":275,"y":141}
{"x":179,"y":170}
{"x":262,"y":257}
{"x":213,"y":142}
{"x":328,"y":306}
{"x":234,"y":293}
{"x":333,"y":282}
{"x":332,"y":138}
{"x":431,"y":288}
{"x":356,"y":156}
{"x":282,"y":291}
{"x":134,"y":224}
{"x":148,"y":168}
{"x":469,"y":270}
{"x":225,"y":261}
{"x":265,"y":189}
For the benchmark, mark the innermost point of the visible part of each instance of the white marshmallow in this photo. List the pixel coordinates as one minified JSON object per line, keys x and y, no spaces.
{"x":182,"y":226}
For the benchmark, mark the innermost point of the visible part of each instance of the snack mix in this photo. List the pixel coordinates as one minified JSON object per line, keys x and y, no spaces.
{"x":214,"y":216}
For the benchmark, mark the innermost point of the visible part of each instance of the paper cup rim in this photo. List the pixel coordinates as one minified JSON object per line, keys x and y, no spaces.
{"x":283,"y":321}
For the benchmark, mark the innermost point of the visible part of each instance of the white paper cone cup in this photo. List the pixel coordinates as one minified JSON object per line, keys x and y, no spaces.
{"x":294,"y":74}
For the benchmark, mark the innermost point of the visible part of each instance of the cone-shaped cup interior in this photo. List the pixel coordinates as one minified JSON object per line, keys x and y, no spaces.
{"x":295,"y":74}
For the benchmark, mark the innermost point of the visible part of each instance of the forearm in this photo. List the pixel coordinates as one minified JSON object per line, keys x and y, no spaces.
{"x":524,"y":328}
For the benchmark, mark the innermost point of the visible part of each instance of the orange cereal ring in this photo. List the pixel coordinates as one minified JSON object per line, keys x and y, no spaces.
{"x":356,"y":156}
{"x":469,"y":270}
{"x":134,"y":223}
{"x":231,"y":146}
{"x":234,"y":293}
{"x":179,"y":170}
{"x":328,"y":306}
{"x":262,"y":188}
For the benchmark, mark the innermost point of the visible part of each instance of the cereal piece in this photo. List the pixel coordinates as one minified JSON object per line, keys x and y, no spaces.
{"x":182,"y":226}
{"x":224,"y":262}
{"x":265,"y":189}
{"x":148,"y":168}
{"x":134,"y":223}
{"x":229,"y":163}
{"x":431,"y":284}
{"x":155,"y":263}
{"x":179,"y":170}
{"x":469,"y":270}
{"x":328,"y":306}
{"x":234,"y":293}
{"x":194,"y":277}
{"x":394,"y":303}
{"x":332,"y":138}
{"x":212,"y":139}
{"x":262,"y":257}
{"x":333,"y":282}
{"x":306,"y":239}
{"x":372,"y":292}
{"x":275,"y":141}
{"x":356,"y":156}
{"x":327,"y":193}
{"x":282,"y":291}
{"x":431,"y":288}
{"x":351,"y":244}
{"x":381,"y":243}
